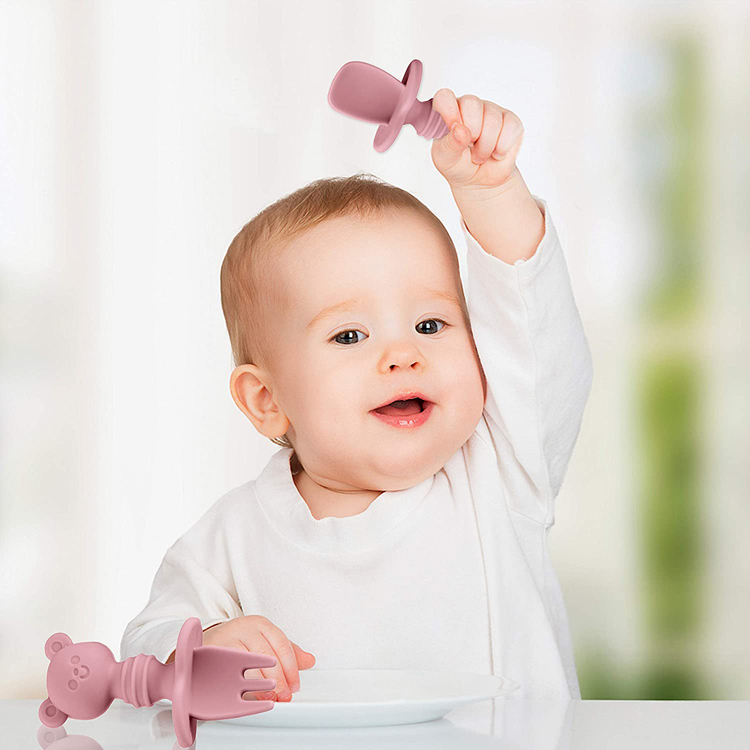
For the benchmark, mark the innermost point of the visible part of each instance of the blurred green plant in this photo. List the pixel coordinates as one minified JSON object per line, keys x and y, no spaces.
{"x":669,"y":396}
{"x":668,"y":392}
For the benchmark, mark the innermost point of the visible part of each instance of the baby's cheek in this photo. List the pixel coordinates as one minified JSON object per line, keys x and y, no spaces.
{"x":331,"y":403}
{"x":472,"y":385}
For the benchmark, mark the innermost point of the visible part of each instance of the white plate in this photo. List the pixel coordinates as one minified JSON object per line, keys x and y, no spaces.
{"x":377,"y":697}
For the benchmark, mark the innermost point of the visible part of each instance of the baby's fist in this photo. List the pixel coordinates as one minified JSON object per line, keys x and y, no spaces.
{"x":480,"y":149}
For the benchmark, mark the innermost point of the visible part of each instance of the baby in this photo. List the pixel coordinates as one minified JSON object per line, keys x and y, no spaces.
{"x":424,"y":435}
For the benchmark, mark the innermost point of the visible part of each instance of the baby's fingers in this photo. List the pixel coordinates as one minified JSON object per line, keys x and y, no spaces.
{"x":284,"y":652}
{"x":305,"y":660}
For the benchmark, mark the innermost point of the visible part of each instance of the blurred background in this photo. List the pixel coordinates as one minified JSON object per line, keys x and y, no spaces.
{"x":137,"y":138}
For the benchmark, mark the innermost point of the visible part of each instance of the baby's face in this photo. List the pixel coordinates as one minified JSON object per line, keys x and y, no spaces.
{"x":401,"y":333}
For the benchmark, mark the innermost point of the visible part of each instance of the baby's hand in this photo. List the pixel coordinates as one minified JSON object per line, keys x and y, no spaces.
{"x":480,"y":151}
{"x":258,"y":634}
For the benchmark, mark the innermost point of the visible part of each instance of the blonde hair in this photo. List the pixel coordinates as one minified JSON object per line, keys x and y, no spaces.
{"x":248,"y":282}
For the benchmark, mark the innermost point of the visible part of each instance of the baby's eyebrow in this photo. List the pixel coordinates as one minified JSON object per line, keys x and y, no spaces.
{"x":354,"y":302}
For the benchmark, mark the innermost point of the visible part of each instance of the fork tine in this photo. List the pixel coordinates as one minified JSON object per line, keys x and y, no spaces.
{"x":253,"y":660}
{"x":237,"y":658}
{"x":253,"y":686}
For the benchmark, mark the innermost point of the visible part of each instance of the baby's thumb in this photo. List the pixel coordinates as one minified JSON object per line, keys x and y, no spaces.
{"x":305,"y":659}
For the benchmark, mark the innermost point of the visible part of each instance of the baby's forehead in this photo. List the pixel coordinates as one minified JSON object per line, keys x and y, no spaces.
{"x":394,"y":233}
{"x":378,"y":258}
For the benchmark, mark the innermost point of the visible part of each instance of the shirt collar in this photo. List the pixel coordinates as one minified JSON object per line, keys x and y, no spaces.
{"x":289,"y":514}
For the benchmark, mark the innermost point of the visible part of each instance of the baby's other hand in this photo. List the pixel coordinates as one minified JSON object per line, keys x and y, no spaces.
{"x":258,"y":634}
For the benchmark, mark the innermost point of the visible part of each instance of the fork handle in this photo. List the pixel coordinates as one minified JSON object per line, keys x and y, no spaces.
{"x":142,"y":680}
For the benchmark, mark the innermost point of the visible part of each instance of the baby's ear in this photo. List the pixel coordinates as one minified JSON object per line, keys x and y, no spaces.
{"x":256,"y":402}
{"x":245,"y":385}
{"x":55,"y":643}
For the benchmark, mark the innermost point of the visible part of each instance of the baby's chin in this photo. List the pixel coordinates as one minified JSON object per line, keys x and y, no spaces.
{"x":398,"y":467}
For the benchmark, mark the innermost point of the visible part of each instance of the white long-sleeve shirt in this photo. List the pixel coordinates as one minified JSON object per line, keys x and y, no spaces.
{"x":453,"y":573}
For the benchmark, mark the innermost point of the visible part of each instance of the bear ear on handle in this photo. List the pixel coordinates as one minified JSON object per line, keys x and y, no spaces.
{"x":55,"y":643}
{"x":50,"y":715}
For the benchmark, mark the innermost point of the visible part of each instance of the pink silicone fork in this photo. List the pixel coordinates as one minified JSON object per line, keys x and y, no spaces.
{"x":203,"y":682}
{"x":368,"y":93}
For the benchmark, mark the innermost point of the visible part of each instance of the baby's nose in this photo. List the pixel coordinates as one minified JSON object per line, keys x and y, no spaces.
{"x":395,"y":364}
{"x":407,"y":357}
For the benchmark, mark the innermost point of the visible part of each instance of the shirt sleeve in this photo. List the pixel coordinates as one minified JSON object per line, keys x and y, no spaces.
{"x":193,"y":580}
{"x":537,"y":364}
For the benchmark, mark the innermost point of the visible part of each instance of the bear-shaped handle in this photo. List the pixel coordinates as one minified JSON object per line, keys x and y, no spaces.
{"x":78,"y":680}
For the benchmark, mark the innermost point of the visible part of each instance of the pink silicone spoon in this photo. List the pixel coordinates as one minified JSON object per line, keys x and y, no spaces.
{"x":368,"y":93}
{"x":203,"y":682}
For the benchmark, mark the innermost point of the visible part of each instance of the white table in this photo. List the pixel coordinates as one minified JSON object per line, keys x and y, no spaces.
{"x":501,"y":724}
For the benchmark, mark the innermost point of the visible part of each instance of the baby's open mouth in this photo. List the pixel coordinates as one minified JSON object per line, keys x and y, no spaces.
{"x":403,"y":408}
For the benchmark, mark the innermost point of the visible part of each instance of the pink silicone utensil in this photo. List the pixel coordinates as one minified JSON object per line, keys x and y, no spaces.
{"x":368,"y":93}
{"x":203,"y":682}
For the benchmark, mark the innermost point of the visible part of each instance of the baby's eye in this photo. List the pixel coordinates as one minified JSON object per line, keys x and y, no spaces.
{"x":432,"y":320}
{"x":348,"y":338}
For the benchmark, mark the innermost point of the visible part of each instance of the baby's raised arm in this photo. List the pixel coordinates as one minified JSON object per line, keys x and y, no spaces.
{"x":537,"y":362}
{"x":524,"y":319}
